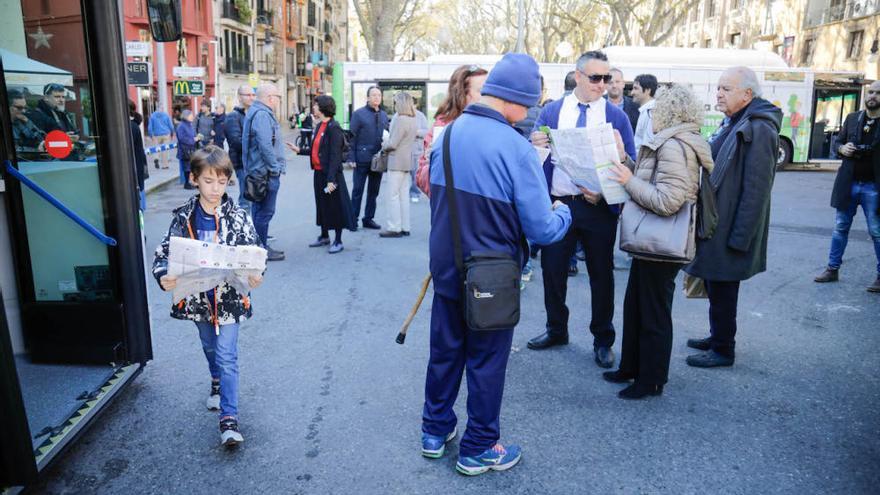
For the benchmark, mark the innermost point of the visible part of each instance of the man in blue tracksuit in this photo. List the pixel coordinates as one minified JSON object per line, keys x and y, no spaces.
{"x":501,"y":194}
{"x":594,"y":222}
{"x":262,"y":154}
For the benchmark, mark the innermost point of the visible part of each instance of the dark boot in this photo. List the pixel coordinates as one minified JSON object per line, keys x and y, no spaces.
{"x":875,"y":287}
{"x":709,"y":359}
{"x":700,"y":344}
{"x":617,"y":376}
{"x":829,"y":275}
{"x":640,"y":391}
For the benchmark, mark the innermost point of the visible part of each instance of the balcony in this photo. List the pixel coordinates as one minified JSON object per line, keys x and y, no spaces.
{"x":301,"y":70}
{"x":265,"y":17}
{"x":232,"y":12}
{"x":839,"y":11}
{"x":267,"y":66}
{"x":238,"y":66}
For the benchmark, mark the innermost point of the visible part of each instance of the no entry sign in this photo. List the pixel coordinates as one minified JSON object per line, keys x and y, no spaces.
{"x":58,"y":144}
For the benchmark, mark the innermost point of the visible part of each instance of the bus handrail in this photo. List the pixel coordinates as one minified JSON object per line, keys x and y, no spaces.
{"x":59,"y":205}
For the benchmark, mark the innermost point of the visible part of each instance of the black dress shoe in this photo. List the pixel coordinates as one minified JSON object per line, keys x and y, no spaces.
{"x":404,"y":233}
{"x":617,"y":376}
{"x":604,"y":356}
{"x":321,"y":241}
{"x":640,"y":391}
{"x":545,"y":341}
{"x":700,"y":344}
{"x":370,"y":224}
{"x":390,"y":234}
{"x":274,"y":255}
{"x":875,"y":287}
{"x":709,"y":359}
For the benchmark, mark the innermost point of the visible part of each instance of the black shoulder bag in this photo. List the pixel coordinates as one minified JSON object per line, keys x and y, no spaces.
{"x":490,"y":279}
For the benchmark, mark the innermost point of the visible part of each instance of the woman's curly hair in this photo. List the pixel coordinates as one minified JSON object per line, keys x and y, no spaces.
{"x":676,"y":104}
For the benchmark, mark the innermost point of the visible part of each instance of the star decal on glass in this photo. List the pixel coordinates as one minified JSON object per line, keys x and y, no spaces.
{"x":41,"y":38}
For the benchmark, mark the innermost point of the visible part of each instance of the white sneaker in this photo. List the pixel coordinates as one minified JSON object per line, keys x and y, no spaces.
{"x":213,"y":402}
{"x":229,"y":434}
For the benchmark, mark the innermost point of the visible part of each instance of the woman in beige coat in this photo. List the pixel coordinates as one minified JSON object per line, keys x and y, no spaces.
{"x":677,"y":151}
{"x":399,"y":145}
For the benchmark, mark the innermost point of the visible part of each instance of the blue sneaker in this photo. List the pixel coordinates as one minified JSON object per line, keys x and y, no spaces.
{"x":433,"y":447}
{"x":498,"y":458}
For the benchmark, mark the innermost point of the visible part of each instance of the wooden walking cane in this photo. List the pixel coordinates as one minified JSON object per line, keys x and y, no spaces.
{"x":401,"y":337}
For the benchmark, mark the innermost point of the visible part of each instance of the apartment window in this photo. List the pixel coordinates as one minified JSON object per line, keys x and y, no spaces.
{"x":710,"y":8}
{"x":707,"y":43}
{"x":807,"y":51}
{"x":695,"y":11}
{"x":735,"y":40}
{"x":856,"y":40}
{"x":312,"y":20}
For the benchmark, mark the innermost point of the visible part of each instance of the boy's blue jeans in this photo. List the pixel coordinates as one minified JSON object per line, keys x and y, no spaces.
{"x":221,"y":352}
{"x":866,"y":194}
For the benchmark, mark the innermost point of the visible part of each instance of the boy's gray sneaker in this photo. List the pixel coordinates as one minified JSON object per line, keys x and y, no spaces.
{"x":213,"y":402}
{"x":229,"y":434}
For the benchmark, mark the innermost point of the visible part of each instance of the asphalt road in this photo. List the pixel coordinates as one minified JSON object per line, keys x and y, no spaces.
{"x":330,"y":404}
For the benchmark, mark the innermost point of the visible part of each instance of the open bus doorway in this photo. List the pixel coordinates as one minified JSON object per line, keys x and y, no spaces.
{"x":390,"y":88}
{"x":830,"y":108}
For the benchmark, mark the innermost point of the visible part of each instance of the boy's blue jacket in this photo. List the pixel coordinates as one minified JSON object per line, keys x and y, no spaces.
{"x":500,"y":190}
{"x":261,"y":146}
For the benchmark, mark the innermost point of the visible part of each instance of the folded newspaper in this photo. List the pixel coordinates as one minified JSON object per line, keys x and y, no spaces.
{"x":201,"y":266}
{"x":586,"y":156}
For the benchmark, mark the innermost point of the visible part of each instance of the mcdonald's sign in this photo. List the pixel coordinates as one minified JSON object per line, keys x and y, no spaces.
{"x":184,"y":87}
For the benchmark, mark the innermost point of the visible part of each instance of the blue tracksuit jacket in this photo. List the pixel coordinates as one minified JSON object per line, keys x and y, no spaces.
{"x":501,"y":193}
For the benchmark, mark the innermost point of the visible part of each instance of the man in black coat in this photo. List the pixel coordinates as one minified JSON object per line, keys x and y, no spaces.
{"x":367,"y":125}
{"x":857,"y":182}
{"x":616,"y":97}
{"x":744,"y":148}
{"x":232,"y":129}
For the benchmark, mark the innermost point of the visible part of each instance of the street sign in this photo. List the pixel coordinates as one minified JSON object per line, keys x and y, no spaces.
{"x":189,"y":88}
{"x":58,"y":144}
{"x":137,"y":49}
{"x":188,"y":72}
{"x":139,"y":73}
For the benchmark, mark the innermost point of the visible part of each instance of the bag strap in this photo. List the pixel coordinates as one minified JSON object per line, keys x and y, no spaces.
{"x":454,"y":224}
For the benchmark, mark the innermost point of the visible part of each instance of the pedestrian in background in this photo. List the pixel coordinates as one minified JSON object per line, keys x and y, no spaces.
{"x":857,"y":182}
{"x":744,"y":148}
{"x":219,"y":129}
{"x":186,"y":145}
{"x":644,"y":89}
{"x":616,"y":96}
{"x":263,"y":156}
{"x":332,"y":203}
{"x":161,"y":129}
{"x":367,"y":125}
{"x":399,"y":145}
{"x":205,"y":125}
{"x":495,"y":170}
{"x":673,"y":160}
{"x":464,"y":89}
{"x":210,"y":216}
{"x":140,"y":158}
{"x":594,"y":221}
{"x":233,"y":126}
{"x":418,"y":150}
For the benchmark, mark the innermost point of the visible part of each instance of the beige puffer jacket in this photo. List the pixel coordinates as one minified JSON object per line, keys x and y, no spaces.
{"x":674,"y":152}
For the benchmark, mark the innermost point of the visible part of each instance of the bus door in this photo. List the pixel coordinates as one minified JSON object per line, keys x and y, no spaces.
{"x":75,"y":323}
{"x":831,"y":105}
{"x":416,"y":89}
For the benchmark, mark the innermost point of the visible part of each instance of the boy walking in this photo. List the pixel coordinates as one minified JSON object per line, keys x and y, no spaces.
{"x":211,"y":216}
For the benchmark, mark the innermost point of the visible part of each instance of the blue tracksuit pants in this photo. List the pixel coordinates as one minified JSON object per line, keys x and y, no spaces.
{"x":454,"y":349}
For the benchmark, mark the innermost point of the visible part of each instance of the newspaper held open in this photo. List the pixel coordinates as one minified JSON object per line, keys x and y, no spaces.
{"x":201,"y":266}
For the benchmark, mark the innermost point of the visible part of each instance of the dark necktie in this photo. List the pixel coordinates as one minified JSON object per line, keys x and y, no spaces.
{"x":582,"y":117}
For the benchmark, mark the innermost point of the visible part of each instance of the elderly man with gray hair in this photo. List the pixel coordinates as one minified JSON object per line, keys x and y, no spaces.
{"x":744,"y":148}
{"x":263,"y":155}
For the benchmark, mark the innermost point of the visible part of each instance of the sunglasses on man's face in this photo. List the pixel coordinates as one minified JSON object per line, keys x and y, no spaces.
{"x":597,"y":78}
{"x":20,"y":107}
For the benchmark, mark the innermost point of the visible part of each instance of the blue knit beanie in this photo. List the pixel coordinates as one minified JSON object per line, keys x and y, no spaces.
{"x":515,"y":78}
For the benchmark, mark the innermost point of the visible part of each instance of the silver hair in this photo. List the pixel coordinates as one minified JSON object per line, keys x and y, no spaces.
{"x":676,"y":104}
{"x":582,"y":61}
{"x":747,"y":80}
{"x":265,"y":90}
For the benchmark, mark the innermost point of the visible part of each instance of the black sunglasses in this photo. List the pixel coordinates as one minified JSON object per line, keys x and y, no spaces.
{"x":597,"y":78}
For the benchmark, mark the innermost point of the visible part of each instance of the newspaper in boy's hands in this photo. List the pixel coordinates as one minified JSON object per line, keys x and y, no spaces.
{"x":201,"y":266}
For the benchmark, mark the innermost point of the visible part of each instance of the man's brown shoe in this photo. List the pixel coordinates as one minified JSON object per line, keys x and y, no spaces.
{"x":829,"y":275}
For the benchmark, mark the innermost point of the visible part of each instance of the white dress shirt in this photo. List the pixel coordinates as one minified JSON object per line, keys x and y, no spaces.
{"x":568,"y":117}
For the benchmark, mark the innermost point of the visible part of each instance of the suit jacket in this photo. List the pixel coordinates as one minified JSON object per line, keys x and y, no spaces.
{"x":631,"y":109}
{"x":851,"y":133}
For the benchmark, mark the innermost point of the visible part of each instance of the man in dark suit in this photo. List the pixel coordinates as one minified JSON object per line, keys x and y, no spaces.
{"x":367,"y":125}
{"x":744,"y":148}
{"x":594,"y":222}
{"x":857,"y":182}
{"x":616,"y":97}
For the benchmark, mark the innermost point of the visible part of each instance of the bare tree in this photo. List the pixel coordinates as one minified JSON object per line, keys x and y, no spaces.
{"x":653,"y":21}
{"x":383,"y":22}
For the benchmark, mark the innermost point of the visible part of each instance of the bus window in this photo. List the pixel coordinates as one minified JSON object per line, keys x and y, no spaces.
{"x":832,"y":107}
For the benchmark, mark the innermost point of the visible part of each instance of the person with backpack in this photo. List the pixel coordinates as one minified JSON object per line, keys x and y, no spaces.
{"x":665,"y":180}
{"x":332,"y":202}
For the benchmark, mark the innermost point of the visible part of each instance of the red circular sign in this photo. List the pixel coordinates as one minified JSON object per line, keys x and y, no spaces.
{"x":58,"y":144}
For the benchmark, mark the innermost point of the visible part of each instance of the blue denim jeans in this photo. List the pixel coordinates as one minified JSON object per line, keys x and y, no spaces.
{"x":184,"y":170}
{"x":239,"y":177}
{"x":221,"y":351}
{"x":263,"y":211}
{"x":865,"y":194}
